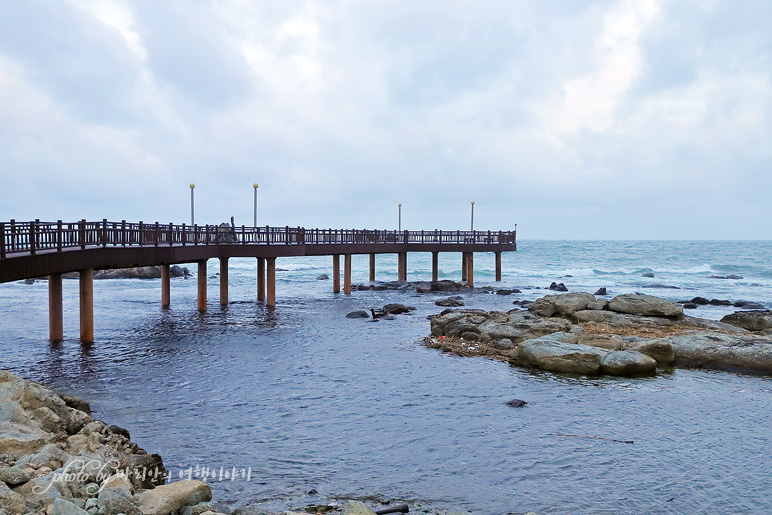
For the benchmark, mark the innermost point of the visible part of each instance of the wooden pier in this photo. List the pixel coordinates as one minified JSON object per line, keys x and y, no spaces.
{"x":50,"y":249}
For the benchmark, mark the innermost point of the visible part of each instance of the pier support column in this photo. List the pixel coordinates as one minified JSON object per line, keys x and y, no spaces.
{"x":402,"y":266}
{"x":202,"y":286}
{"x":498,"y":266}
{"x":463,"y":266}
{"x":223,"y":281}
{"x":260,"y":278}
{"x":470,"y":269}
{"x":55,"y":319}
{"x":166,"y":286}
{"x":271,"y":301}
{"x":336,"y":273}
{"x":347,"y":274}
{"x":435,"y":266}
{"x":87,"y":305}
{"x":372,"y":268}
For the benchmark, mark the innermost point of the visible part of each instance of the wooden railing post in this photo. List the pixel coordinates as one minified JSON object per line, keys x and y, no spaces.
{"x":123,"y":232}
{"x":104,"y":232}
{"x":286,"y":235}
{"x":32,"y":238}
{"x":58,"y":235}
{"x":195,"y":234}
{"x":82,"y":233}
{"x":2,"y":241}
{"x":141,"y":230}
{"x":184,"y":238}
{"x":13,"y":235}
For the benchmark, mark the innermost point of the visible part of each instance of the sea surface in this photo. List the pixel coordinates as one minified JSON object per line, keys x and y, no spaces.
{"x":305,"y":400}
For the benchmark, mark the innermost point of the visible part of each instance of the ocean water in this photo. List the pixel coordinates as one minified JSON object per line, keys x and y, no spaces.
{"x":309,"y":401}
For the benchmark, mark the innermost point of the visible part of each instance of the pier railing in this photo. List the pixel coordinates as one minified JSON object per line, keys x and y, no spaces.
{"x":37,"y":236}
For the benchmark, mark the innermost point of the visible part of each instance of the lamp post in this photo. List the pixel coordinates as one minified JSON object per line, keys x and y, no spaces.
{"x":472,"y":223}
{"x":400,"y":217}
{"x":254,"y":185}
{"x":192,"y":212}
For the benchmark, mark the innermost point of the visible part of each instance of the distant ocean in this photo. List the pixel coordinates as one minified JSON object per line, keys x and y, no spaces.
{"x":310,"y":401}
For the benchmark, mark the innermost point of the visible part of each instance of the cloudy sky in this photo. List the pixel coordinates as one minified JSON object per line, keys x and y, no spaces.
{"x":574,"y":119}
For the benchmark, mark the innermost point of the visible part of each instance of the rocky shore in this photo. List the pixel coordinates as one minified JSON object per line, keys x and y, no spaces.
{"x":628,"y":335}
{"x":56,"y":459}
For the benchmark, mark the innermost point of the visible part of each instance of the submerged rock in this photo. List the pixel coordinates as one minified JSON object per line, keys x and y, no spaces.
{"x":358,"y":314}
{"x":558,"y":287}
{"x":516,"y":403}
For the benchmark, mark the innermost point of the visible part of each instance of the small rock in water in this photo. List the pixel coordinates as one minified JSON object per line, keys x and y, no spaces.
{"x":690,"y":305}
{"x":358,"y":314}
{"x":516,"y":403}
{"x":423,"y":287}
{"x":601,"y":291}
{"x":558,"y":287}
{"x":396,"y":309}
{"x":450,"y":302}
{"x":323,"y":277}
{"x":648,"y":274}
{"x":734,"y":277}
{"x":700,"y":301}
{"x":718,"y":302}
{"x":747,"y":304}
{"x":29,"y":281}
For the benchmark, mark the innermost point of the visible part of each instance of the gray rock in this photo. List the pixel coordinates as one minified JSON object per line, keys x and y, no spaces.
{"x":628,"y":363}
{"x":747,"y":304}
{"x":558,"y":287}
{"x":502,"y":344}
{"x":62,"y":507}
{"x":322,"y":277}
{"x":645,"y":305}
{"x":568,"y":304}
{"x":601,"y":291}
{"x":723,"y":352}
{"x":648,"y":274}
{"x":423,"y":287}
{"x":499,"y":331}
{"x":660,"y":350}
{"x":454,"y":301}
{"x":356,"y":508}
{"x":750,"y":320}
{"x":516,"y":403}
{"x":396,"y":309}
{"x":203,"y":507}
{"x":358,"y":314}
{"x":165,"y":499}
{"x":13,"y":476}
{"x":562,"y":357}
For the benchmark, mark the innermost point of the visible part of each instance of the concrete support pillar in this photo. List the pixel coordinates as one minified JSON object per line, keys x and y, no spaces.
{"x":336,"y":273}
{"x":271,"y":301}
{"x":223,"y":281}
{"x":347,"y":274}
{"x":435,"y":266}
{"x":166,"y":286}
{"x":87,"y":305}
{"x":402,"y":266}
{"x":470,"y":269}
{"x":260,"y":278}
{"x":202,"y":286}
{"x":498,"y":266}
{"x":372,"y":267}
{"x":463,"y":266}
{"x":55,"y":318}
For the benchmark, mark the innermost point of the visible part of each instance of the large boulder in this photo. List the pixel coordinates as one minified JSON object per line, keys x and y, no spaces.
{"x":750,"y":320}
{"x":556,"y":356}
{"x":628,"y":363}
{"x":723,"y":352}
{"x":166,"y":499}
{"x":645,"y":305}
{"x":660,"y":350}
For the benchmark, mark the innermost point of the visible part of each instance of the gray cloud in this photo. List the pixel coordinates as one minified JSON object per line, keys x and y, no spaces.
{"x":616,"y":118}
